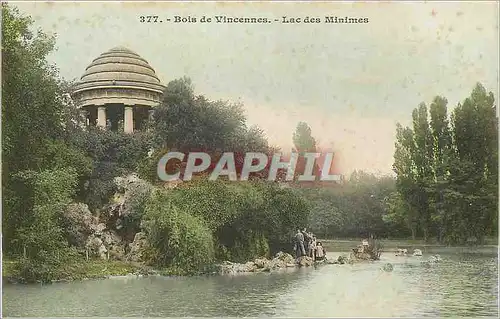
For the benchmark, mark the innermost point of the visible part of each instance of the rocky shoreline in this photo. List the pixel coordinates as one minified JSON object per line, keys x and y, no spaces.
{"x":280,"y":262}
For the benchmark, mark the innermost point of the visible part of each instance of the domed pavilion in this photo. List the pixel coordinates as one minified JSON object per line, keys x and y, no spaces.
{"x":118,"y":90}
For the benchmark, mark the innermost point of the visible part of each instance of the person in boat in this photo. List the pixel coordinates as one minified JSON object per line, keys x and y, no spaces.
{"x":320,"y":252}
{"x":312,"y":248}
{"x":299,"y":244}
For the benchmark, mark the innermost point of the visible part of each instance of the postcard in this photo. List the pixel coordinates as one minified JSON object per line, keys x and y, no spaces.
{"x":250,"y":159}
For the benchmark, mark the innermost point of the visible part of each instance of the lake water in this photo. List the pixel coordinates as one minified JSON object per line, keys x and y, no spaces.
{"x":464,"y":284}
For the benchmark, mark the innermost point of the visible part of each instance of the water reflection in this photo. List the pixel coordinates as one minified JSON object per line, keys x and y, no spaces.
{"x":463,"y":284}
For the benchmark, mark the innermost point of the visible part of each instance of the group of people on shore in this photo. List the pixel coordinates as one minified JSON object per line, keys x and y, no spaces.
{"x":305,"y":244}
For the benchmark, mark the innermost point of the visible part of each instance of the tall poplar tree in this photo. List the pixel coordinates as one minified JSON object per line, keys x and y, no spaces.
{"x":423,"y":155}
{"x":441,"y":140}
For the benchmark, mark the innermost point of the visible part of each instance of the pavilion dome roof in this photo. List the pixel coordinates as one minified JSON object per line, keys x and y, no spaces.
{"x":119,"y":66}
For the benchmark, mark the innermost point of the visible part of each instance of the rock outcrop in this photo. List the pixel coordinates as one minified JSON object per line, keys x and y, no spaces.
{"x":95,"y":247}
{"x":114,"y":244}
{"x":105,"y":243}
{"x":280,"y":261}
{"x":305,"y":261}
{"x":127,"y":204}
{"x":137,"y":247}
{"x":85,"y":231}
{"x":104,"y":236}
{"x":79,"y":223}
{"x":366,"y":251}
{"x":130,"y":188}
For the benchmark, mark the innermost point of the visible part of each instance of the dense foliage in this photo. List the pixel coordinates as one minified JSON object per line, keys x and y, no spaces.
{"x":360,"y":208}
{"x":185,"y":122}
{"x":447,"y":169}
{"x":44,"y":247}
{"x":39,"y":170}
{"x":177,"y":239}
{"x":245,"y":220}
{"x":241,"y":221}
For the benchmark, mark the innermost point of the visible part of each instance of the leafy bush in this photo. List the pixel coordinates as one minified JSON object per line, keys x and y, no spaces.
{"x":247,"y":219}
{"x":178,"y":240}
{"x":42,"y":235}
{"x":58,"y":155}
{"x":249,"y":246}
{"x":226,"y":220}
{"x":48,"y":265}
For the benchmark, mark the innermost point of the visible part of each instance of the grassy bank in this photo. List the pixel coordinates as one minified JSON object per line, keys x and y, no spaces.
{"x":96,"y":269}
{"x":93,"y":269}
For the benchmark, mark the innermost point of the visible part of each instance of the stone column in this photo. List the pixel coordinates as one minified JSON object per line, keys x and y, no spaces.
{"x":101,"y":116}
{"x":128,"y":123}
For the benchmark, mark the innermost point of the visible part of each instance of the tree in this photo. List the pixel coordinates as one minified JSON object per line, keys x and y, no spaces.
{"x":34,"y":119}
{"x":404,"y":168}
{"x":32,"y":107}
{"x":113,"y":154}
{"x":303,"y":140}
{"x":423,"y":155}
{"x":188,"y":123}
{"x":396,"y":216}
{"x":447,"y":174}
{"x":441,"y":136}
{"x":177,"y":238}
{"x":475,"y":136}
{"x":40,"y":231}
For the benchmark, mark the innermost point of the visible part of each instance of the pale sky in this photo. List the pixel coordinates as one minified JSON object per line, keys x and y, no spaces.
{"x":351,"y":83}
